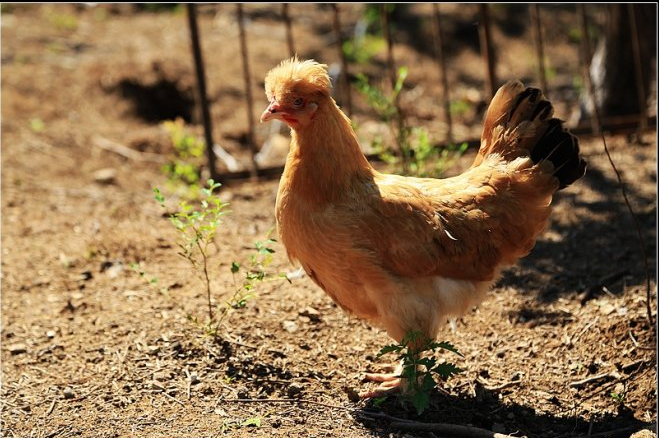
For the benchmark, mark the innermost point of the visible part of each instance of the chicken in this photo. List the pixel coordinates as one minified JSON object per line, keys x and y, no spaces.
{"x":406,"y":253}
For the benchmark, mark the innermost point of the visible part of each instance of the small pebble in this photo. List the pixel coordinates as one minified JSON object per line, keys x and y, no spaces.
{"x":18,"y":348}
{"x":289,"y":326}
{"x":105,"y":176}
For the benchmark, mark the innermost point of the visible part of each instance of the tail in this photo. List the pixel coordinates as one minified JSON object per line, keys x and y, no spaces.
{"x":519,"y":123}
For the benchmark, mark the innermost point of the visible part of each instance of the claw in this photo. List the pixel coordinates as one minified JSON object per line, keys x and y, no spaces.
{"x":380,"y":377}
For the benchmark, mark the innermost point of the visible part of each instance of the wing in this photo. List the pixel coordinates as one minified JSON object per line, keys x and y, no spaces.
{"x":464,"y":227}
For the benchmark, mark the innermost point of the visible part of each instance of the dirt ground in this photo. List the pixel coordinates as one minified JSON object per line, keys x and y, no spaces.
{"x":90,"y":348}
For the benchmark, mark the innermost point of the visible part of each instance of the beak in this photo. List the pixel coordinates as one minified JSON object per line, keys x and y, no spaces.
{"x":273,"y":111}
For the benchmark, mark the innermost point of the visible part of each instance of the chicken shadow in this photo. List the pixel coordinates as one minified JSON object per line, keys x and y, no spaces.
{"x":486,"y":411}
{"x":601,"y":248}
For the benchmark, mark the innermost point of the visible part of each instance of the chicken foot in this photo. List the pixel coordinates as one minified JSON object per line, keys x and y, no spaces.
{"x":390,"y":384}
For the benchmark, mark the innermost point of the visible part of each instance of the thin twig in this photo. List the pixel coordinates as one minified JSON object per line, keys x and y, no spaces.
{"x":127,"y":152}
{"x":503,"y":385}
{"x":637,"y":225}
{"x":384,"y":416}
{"x":173,"y":398}
{"x":162,"y":390}
{"x":609,"y":279}
{"x":51,"y":408}
{"x":634,"y":364}
{"x":188,"y":386}
{"x":59,"y":431}
{"x":636,"y":344}
{"x":41,"y":370}
{"x":453,"y":430}
{"x":87,"y":394}
{"x":233,"y":341}
{"x":595,"y":378}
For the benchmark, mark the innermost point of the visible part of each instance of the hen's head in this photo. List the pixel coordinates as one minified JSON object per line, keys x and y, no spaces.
{"x":295,"y":89}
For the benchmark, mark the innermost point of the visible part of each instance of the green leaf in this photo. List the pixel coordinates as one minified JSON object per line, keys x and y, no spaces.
{"x":254,"y":421}
{"x":402,"y":75}
{"x":409,"y":372}
{"x":446,"y":370}
{"x":445,"y":346}
{"x":390,"y":349}
{"x":421,"y":400}
{"x":378,"y":401}
{"x":159,"y":197}
{"x":428,"y":383}
{"x":427,"y":362}
{"x":411,"y":336}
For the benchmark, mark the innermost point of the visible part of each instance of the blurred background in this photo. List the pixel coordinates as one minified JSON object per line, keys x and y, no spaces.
{"x":125,"y":69}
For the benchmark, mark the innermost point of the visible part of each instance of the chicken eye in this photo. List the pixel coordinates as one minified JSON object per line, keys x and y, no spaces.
{"x":297,"y":103}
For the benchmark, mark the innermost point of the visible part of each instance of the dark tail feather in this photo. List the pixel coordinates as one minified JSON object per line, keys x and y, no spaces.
{"x":561,"y":148}
{"x":512,"y":106}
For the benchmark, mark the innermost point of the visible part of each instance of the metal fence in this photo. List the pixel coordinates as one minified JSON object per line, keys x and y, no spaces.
{"x":487,"y":49}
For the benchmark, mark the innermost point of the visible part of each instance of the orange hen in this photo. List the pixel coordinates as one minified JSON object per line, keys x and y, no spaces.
{"x":406,"y":253}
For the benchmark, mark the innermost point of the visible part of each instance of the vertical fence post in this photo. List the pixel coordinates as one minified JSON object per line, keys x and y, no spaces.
{"x":289,"y":29}
{"x":384,"y":17}
{"x":344,"y":62}
{"x":585,"y":65}
{"x":441,"y":63}
{"x":640,"y":87}
{"x":201,"y":89}
{"x":534,"y":10}
{"x":486,"y":50}
{"x":248,"y":89}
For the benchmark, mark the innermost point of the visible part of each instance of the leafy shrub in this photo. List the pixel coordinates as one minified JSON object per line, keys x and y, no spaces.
{"x":421,"y":367}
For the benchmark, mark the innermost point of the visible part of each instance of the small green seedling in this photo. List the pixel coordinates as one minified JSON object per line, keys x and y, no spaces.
{"x":228,"y":425}
{"x":197,"y":227}
{"x":254,"y":273}
{"x":37,"y":125}
{"x":150,"y":280}
{"x":417,"y":354}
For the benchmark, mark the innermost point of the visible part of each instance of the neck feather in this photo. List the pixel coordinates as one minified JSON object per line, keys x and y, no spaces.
{"x":325,"y":161}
